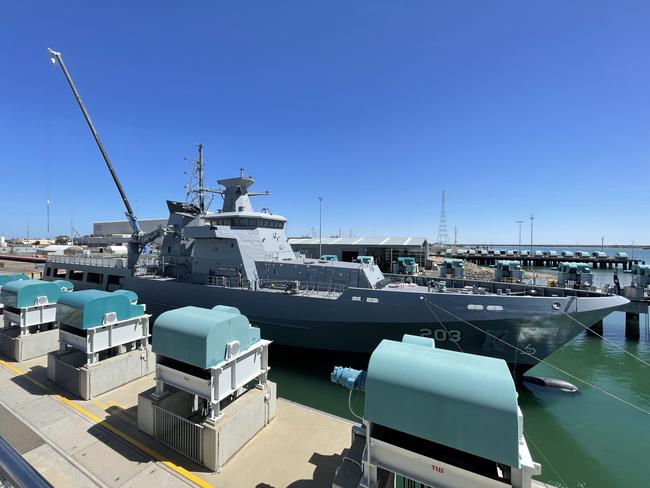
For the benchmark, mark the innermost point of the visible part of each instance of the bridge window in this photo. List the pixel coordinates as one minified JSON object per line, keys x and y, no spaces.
{"x":48,"y":271}
{"x":59,"y":273}
{"x":114,"y":280}
{"x":94,"y":278}
{"x":76,"y":275}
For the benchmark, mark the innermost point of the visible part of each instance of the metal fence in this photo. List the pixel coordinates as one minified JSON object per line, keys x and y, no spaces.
{"x":304,"y":287}
{"x":228,"y":282}
{"x":89,"y":261}
{"x":180,"y":434}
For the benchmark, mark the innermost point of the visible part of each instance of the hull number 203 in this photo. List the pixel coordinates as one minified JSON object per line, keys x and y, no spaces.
{"x":441,"y":335}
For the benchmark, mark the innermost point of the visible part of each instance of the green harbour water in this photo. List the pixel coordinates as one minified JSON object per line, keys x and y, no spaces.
{"x":586,"y":439}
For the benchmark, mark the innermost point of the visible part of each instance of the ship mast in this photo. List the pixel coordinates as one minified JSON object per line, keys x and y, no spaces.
{"x":201,"y":189}
{"x":196,"y":189}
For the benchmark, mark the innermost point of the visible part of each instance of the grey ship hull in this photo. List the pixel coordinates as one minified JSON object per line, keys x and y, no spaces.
{"x":353,"y":324}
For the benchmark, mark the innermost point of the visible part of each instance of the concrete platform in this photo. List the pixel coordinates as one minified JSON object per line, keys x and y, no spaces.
{"x":67,"y":370}
{"x":214,"y":442}
{"x":25,"y":347}
{"x":97,"y":442}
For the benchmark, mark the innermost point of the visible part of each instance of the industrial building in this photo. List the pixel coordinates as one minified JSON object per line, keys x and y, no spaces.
{"x":384,"y":250}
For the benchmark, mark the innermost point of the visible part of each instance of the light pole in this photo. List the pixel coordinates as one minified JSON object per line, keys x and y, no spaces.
{"x":519,"y":222}
{"x":455,"y":238}
{"x":320,"y":227}
{"x":532,"y":218}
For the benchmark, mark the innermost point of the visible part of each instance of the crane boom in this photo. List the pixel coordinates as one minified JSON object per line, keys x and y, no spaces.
{"x":133,"y":220}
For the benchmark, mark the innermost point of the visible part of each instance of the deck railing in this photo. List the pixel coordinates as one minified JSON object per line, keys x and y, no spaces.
{"x":303,"y":287}
{"x":228,"y":282}
{"x":112,"y":262}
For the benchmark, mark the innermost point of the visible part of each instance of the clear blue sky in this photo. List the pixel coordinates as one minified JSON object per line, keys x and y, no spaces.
{"x":511,"y":107}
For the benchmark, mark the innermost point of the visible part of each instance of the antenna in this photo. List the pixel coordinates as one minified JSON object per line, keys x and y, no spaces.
{"x":196,"y":189}
{"x":199,"y":169}
{"x":47,"y":173}
{"x":443,"y":238}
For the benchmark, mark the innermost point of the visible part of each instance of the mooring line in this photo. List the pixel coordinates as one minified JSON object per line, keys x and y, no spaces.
{"x":557,"y":368}
{"x":530,"y":439}
{"x":604,"y":338}
{"x":443,"y":325}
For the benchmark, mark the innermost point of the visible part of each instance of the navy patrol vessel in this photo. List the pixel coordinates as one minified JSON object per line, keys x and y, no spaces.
{"x":242,"y":258}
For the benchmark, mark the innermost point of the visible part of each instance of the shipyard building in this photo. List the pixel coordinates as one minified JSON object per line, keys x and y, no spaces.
{"x":384,"y":250}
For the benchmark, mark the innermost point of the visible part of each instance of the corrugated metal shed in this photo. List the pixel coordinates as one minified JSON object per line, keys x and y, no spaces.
{"x":362,"y":241}
{"x":384,"y":250}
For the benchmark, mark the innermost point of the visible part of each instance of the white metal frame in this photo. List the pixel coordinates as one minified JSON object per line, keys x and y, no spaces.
{"x":41,"y":313}
{"x":111,"y":334}
{"x":431,"y":472}
{"x":226,"y":378}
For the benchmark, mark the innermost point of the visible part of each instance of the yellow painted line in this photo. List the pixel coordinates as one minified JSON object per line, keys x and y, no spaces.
{"x":122,"y":435}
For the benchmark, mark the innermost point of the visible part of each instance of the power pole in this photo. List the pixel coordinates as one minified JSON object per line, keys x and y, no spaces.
{"x":519,"y":222}
{"x":532,"y":218}
{"x":602,"y":244}
{"x":320,"y":227}
{"x":455,"y":238}
{"x":443,"y":238}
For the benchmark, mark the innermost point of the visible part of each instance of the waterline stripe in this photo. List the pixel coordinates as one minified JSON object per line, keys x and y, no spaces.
{"x":114,"y":430}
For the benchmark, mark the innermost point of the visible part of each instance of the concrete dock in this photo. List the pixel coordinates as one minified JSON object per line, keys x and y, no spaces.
{"x":76,"y":443}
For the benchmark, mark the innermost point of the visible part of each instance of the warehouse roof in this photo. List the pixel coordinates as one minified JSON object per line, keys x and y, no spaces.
{"x":361,"y":241}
